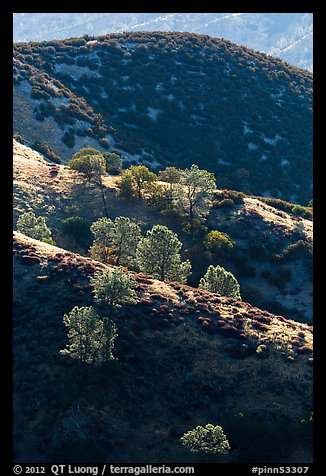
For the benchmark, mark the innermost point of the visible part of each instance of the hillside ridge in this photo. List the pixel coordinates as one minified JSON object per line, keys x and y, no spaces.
{"x":32,"y":251}
{"x":153,"y":96}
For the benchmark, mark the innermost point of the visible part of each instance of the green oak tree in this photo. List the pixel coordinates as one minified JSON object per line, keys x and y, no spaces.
{"x":136,"y":180}
{"x":171,"y":175}
{"x":193,"y":196}
{"x":217,"y":243}
{"x":207,"y":439}
{"x":91,"y":338}
{"x":121,"y":235}
{"x":35,"y":227}
{"x":114,"y":287}
{"x":218,"y":280}
{"x":113,"y":162}
{"x":158,"y":253}
{"x":91,"y":164}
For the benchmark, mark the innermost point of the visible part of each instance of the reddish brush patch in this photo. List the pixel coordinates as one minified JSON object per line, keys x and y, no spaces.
{"x":220,"y":322}
{"x":184,"y":311}
{"x":147,"y":301}
{"x":144,"y":278}
{"x":54,"y":259}
{"x":229,"y":331}
{"x":263,"y":319}
{"x":203,"y":307}
{"x":163,"y":308}
{"x":281,"y":318}
{"x":242,"y":336}
{"x":158,"y":297}
{"x":203,"y":319}
{"x":215,"y":300}
{"x":86,"y":267}
{"x":207,"y":324}
{"x":86,"y":287}
{"x":251,"y":312}
{"x":141,"y":287}
{"x":265,"y":313}
{"x":211,"y":312}
{"x":235,"y":311}
{"x":305,"y":349}
{"x":260,"y":326}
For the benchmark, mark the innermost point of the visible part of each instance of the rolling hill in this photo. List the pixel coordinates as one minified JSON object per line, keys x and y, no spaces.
{"x":286,"y":35}
{"x":171,"y":98}
{"x":185,"y":357}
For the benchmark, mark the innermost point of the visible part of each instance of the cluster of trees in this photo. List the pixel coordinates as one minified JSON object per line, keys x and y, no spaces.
{"x":120,"y":242}
{"x":157,"y":252}
{"x":91,"y":337}
{"x":189,"y":193}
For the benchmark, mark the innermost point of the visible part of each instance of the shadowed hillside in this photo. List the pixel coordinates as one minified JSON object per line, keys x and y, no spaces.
{"x":185,"y":357}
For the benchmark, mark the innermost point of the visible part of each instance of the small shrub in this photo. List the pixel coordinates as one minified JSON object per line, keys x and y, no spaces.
{"x":44,"y":149}
{"x":77,"y":227}
{"x":299,"y":210}
{"x":105,"y":143}
{"x":113,"y":162}
{"x":35,"y":227}
{"x":209,"y":439}
{"x":218,"y":280}
{"x":282,"y":277}
{"x":225,"y":203}
{"x":222,"y":195}
{"x":69,"y":139}
{"x":18,"y":138}
{"x":217,"y":243}
{"x":300,"y":249}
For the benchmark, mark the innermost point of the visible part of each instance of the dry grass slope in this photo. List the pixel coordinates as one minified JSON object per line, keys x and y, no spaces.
{"x":57,"y":193}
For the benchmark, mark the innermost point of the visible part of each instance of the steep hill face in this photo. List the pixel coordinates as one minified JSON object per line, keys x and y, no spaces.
{"x":172,"y":98}
{"x":285,"y":35}
{"x":186,"y":357}
{"x":272,"y":258}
